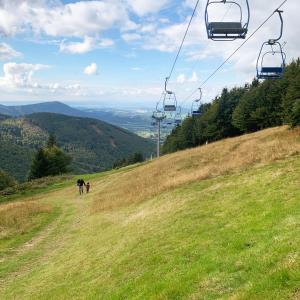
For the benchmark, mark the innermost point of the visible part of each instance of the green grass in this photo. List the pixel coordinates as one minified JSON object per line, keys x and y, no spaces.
{"x":236,"y":236}
{"x":20,"y":234}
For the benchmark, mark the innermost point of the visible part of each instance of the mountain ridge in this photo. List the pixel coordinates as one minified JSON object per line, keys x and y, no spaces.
{"x":132,"y":121}
{"x":93,"y":144}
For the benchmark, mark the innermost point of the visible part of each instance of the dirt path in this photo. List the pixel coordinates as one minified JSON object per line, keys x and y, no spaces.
{"x":52,"y":238}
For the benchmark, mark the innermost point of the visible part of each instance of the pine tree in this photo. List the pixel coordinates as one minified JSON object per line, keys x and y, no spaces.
{"x":51,"y":141}
{"x":296,"y":113}
{"x":40,"y":165}
{"x":49,"y":161}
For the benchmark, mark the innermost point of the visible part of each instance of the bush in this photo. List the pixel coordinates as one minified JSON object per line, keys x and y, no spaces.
{"x":34,"y":185}
{"x":6,"y":181}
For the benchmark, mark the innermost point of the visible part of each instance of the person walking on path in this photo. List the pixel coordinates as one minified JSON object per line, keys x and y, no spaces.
{"x":87,"y":186}
{"x":80,"y":184}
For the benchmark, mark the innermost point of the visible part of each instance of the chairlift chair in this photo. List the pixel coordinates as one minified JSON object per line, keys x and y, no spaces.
{"x":224,"y":31}
{"x":272,"y":48}
{"x":169,"y":100}
{"x":158,"y":115}
{"x":195,"y":111}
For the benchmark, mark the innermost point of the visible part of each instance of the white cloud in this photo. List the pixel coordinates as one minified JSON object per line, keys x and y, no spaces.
{"x":21,"y":78}
{"x":144,"y":7}
{"x":87,"y":45}
{"x":78,"y":47}
{"x":91,"y":69}
{"x":20,"y":75}
{"x":103,"y":43}
{"x":7,"y":52}
{"x":194,"y":77}
{"x":54,"y":18}
{"x":181,"y":78}
{"x":129,"y":37}
{"x":82,"y":19}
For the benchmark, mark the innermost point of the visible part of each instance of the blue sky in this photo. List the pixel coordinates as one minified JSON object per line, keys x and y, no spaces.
{"x":117,"y":53}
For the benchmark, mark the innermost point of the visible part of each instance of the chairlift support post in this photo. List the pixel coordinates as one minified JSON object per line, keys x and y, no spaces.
{"x":227,"y":31}
{"x":158,"y":116}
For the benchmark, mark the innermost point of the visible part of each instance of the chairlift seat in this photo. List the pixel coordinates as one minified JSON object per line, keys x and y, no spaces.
{"x":271,"y":73}
{"x":196,"y":113}
{"x":227,"y":28}
{"x":170,"y":108}
{"x":273,"y":70}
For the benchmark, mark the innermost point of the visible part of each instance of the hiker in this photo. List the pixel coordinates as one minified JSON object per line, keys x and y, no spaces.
{"x":80,"y":184}
{"x":87,"y":186}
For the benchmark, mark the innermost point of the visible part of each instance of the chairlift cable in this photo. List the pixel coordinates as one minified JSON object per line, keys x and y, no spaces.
{"x":183,"y":40}
{"x":234,"y":52}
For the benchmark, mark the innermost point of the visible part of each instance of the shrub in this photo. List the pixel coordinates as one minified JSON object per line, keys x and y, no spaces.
{"x":6,"y":181}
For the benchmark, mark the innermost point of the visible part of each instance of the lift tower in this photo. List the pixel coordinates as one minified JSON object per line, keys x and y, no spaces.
{"x":158,"y":116}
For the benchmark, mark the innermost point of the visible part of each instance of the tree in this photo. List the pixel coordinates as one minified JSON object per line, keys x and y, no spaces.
{"x":39,"y":166}
{"x":132,"y":159}
{"x":51,"y":141}
{"x":296,"y":113}
{"x":57,"y":161}
{"x":6,"y":180}
{"x":49,"y":161}
{"x":242,"y":110}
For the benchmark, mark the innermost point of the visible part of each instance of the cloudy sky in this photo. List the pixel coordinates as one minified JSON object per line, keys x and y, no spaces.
{"x":118,"y":52}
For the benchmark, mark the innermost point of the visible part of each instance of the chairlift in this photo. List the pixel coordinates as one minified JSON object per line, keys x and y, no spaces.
{"x":178,"y":118}
{"x":169,"y":122}
{"x":195,"y":111}
{"x":158,"y":115}
{"x":169,"y":101}
{"x":224,"y":31}
{"x":272,"y":50}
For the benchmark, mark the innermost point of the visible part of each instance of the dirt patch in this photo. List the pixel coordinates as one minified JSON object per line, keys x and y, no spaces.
{"x":98,"y":131}
{"x":112,"y":143}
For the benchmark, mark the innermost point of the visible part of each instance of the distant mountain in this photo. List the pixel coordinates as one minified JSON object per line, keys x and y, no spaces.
{"x":48,"y":107}
{"x":133,"y":121}
{"x":93,"y":144}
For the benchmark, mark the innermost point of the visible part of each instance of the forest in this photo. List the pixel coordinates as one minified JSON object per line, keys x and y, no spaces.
{"x":242,"y":110}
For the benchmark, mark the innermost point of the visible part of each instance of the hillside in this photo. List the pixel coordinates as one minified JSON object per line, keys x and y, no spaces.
{"x":127,"y":119}
{"x":216,"y":222}
{"x":93,"y":144}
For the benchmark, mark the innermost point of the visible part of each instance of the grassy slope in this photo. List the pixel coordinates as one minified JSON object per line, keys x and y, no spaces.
{"x":233,"y":233}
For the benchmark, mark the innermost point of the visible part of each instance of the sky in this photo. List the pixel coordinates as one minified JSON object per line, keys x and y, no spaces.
{"x":117,"y":53}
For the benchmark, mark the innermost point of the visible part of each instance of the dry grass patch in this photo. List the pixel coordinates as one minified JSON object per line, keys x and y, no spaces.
{"x":18,"y":218}
{"x":220,"y":158}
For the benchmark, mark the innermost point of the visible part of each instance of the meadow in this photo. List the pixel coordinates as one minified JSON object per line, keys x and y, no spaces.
{"x":220,"y":221}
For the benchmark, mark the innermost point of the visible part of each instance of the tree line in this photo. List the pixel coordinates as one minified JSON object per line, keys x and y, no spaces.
{"x":131,"y":160}
{"x":241,"y":110}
